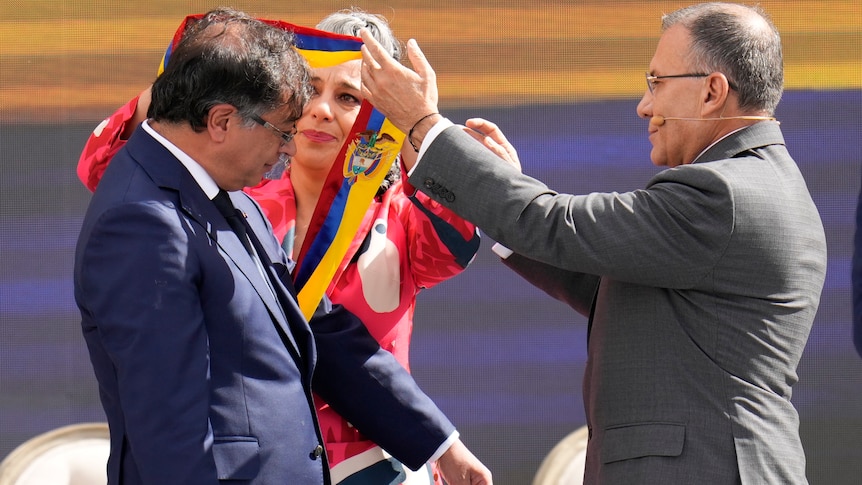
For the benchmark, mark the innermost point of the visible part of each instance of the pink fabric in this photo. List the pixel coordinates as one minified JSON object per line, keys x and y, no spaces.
{"x":103,"y":144}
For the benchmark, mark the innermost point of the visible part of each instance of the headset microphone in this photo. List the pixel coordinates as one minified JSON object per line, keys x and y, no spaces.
{"x":659,"y":120}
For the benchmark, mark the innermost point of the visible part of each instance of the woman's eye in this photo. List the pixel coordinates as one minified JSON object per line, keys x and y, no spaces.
{"x":349,"y":99}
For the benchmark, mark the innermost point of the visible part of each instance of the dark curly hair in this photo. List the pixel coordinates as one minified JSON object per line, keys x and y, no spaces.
{"x":228,"y":57}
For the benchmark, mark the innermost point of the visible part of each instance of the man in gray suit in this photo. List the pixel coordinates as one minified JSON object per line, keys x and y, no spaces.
{"x":701,"y":288}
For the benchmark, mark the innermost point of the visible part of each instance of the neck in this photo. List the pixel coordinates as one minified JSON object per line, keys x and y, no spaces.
{"x":307,"y":186}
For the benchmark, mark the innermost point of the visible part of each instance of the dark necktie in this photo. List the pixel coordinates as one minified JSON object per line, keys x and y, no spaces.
{"x":239,"y":225}
{"x":234,"y":218}
{"x":237,"y":222}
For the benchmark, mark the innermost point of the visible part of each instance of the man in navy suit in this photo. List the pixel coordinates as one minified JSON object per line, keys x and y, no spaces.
{"x":203,"y":358}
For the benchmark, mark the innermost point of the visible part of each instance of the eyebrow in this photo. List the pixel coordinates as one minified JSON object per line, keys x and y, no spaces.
{"x":342,"y":84}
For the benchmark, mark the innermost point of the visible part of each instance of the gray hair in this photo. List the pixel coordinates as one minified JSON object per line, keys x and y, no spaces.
{"x":350,"y":21}
{"x":742,"y":43}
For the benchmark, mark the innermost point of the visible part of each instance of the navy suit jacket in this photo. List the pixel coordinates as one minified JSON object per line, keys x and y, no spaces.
{"x":205,"y":370}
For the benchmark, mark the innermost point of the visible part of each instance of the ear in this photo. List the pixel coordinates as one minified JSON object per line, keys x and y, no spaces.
{"x":219,"y":119}
{"x":716,"y":92}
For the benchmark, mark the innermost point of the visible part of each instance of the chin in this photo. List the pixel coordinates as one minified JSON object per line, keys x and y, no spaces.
{"x":318,"y":157}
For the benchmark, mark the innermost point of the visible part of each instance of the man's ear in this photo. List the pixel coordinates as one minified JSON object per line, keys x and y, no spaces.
{"x":716,"y":92}
{"x":219,"y":119}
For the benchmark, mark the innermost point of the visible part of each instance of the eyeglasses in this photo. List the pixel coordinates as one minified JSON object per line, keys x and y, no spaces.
{"x":651,"y":80}
{"x":285,"y":137}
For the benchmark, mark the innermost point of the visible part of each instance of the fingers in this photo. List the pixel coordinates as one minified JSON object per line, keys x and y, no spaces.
{"x":481,"y":124}
{"x":487,"y":128}
{"x":420,"y":64}
{"x":371,"y":51}
{"x":365,"y":76}
{"x":486,"y":140}
{"x":373,"y":54}
{"x":504,"y":150}
{"x":369,"y":63}
{"x":460,"y":467}
{"x":490,"y":135}
{"x":402,"y":94}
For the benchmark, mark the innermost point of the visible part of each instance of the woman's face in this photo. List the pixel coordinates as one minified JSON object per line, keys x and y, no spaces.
{"x":329,"y":115}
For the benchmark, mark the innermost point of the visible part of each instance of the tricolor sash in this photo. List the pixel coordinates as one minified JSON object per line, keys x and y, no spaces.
{"x":356,"y":174}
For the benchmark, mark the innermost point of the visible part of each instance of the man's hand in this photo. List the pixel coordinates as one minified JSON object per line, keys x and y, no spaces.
{"x":489,"y":134}
{"x":404,"y":96}
{"x":460,"y":467}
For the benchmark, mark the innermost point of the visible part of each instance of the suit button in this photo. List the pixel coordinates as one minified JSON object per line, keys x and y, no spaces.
{"x":429,"y":183}
{"x":317,"y":453}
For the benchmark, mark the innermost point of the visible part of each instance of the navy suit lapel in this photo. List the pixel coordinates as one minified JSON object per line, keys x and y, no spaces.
{"x":296,"y":326}
{"x":195,"y":204}
{"x":272,"y":296}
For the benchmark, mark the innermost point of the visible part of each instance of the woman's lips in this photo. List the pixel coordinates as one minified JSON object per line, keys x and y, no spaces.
{"x":318,"y":136}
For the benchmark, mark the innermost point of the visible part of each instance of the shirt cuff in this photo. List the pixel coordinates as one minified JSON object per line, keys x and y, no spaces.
{"x":429,"y":137}
{"x":445,"y":446}
{"x":502,"y":251}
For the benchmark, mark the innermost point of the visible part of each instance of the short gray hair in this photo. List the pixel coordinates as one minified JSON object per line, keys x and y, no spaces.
{"x":350,"y":21}
{"x":742,"y":43}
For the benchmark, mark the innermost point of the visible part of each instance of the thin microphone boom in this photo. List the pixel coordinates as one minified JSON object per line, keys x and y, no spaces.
{"x":659,"y":120}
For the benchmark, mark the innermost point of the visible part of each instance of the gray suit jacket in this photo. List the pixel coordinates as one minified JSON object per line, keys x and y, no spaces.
{"x":701,"y":290}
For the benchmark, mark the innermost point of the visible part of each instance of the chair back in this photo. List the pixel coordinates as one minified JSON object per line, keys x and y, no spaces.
{"x":564,"y":464}
{"x":71,"y":455}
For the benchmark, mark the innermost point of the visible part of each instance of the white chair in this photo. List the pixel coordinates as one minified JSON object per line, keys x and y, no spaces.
{"x":564,"y":464}
{"x":71,"y":455}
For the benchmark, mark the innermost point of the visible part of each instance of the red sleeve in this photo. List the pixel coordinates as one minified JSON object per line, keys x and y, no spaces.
{"x":441,"y":244}
{"x":103,"y":143}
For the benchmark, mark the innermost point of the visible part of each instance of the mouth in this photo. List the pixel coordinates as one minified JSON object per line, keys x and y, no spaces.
{"x":318,"y":136}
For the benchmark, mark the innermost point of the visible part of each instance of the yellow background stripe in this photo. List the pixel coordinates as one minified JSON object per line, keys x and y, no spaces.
{"x":79,"y":60}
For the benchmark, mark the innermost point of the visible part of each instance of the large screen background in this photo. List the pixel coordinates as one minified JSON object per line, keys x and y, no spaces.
{"x":561,"y":78}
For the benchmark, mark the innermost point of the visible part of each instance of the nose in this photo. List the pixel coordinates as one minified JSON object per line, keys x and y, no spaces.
{"x":644,"y":109}
{"x":288,"y":148}
{"x":319,"y":107}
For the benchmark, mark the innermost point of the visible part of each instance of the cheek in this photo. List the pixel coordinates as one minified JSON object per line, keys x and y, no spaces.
{"x":659,"y":151}
{"x":306,"y":113}
{"x":676,"y":148}
{"x":657,"y":156}
{"x":346,"y":119}
{"x":265,"y":149}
